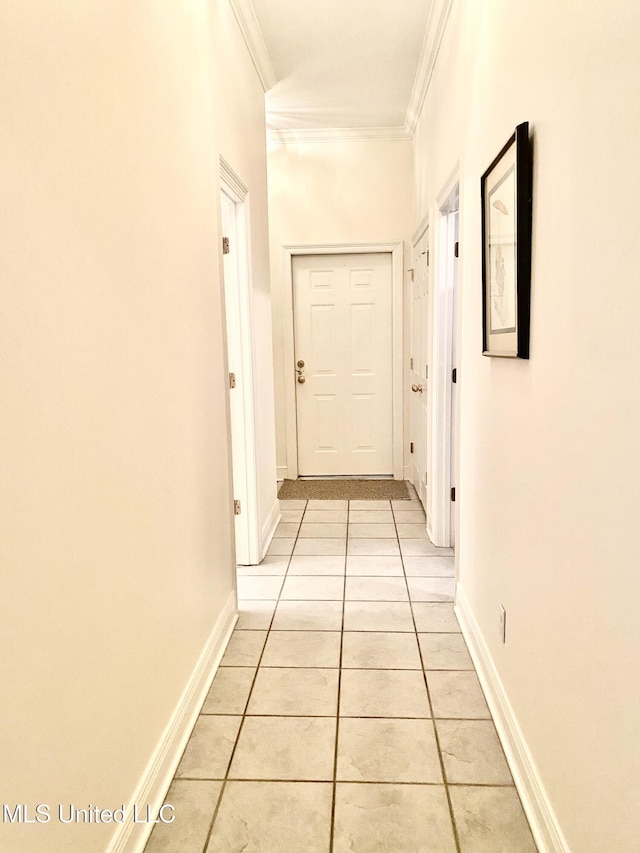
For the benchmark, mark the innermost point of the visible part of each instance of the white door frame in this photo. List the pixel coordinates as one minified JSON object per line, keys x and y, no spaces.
{"x":396,"y":250}
{"x":442,"y":430}
{"x":243,"y":445}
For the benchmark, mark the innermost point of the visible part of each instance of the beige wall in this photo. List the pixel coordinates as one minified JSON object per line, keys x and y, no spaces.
{"x":357,"y":191}
{"x":549,"y":464}
{"x":115,"y":528}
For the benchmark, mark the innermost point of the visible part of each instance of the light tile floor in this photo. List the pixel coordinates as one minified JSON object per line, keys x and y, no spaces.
{"x":346,"y":716}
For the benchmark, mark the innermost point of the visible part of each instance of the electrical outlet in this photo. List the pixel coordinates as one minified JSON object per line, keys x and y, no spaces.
{"x":502,"y":624}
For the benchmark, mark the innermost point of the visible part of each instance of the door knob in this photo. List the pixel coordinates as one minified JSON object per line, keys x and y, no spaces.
{"x":301,"y":380}
{"x":417,"y":389}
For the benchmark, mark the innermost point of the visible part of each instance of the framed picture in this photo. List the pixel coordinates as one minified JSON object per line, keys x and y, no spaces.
{"x":506,"y":249}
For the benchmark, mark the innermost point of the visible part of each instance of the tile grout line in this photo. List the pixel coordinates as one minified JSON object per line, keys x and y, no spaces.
{"x":328,"y":575}
{"x":246,"y":706}
{"x":335,"y":753}
{"x":356,"y":600}
{"x":433,"y":722}
{"x":360,"y":716}
{"x":357,"y":631}
{"x":354,"y":781}
{"x":335,"y":668}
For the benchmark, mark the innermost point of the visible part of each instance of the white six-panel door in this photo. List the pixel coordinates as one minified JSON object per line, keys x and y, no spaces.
{"x":343,"y":358}
{"x":418,"y":367}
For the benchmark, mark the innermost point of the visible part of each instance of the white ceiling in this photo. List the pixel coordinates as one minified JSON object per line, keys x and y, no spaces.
{"x":337,"y":63}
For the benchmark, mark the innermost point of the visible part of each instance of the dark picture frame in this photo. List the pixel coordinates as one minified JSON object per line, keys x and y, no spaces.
{"x":506,"y":189}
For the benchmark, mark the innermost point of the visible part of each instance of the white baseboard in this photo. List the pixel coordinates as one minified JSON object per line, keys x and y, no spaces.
{"x":282,"y":473}
{"x":269,"y":528}
{"x":132,"y":837}
{"x":430,"y":530}
{"x":542,"y":819}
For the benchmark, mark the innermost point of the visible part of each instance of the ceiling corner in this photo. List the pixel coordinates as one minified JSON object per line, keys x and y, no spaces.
{"x":252,"y":34}
{"x":436,"y":25}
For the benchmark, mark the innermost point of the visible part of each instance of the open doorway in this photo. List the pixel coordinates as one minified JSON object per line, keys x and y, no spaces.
{"x":442,"y":518}
{"x":237,"y":293}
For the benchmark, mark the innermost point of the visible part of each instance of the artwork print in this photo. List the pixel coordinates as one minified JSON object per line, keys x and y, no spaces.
{"x":506,"y":249}
{"x":502,"y":252}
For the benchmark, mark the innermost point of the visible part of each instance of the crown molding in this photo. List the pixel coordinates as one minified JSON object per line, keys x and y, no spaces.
{"x":335,"y":134}
{"x":233,"y":181}
{"x":436,"y":25}
{"x":252,"y":34}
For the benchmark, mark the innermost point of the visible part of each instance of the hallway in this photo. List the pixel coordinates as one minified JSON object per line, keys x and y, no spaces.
{"x":345,"y":715}
{"x":351,"y":609}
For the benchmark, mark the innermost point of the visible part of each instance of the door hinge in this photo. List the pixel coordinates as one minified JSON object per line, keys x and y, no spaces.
{"x":456,"y":249}
{"x":427,"y":257}
{"x":237,"y":509}
{"x":225,"y":246}
{"x":411,"y":363}
{"x":426,"y":371}
{"x":453,"y":494}
{"x":454,"y":375}
{"x":232,"y":380}
{"x":411,"y":447}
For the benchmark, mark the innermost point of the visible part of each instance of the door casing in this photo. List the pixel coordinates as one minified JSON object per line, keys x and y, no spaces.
{"x":238,"y":310}
{"x":444,"y":427}
{"x":396,"y":250}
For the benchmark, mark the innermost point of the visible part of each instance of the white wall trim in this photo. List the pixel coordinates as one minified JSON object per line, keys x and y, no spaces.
{"x":335,"y":134}
{"x":269,"y":528}
{"x":397,"y":285}
{"x":282,"y":473}
{"x":234,"y":183}
{"x":449,"y":186}
{"x":419,"y":232}
{"x":152,"y":788}
{"x":436,"y":25}
{"x":252,"y":34}
{"x":544,"y":824}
